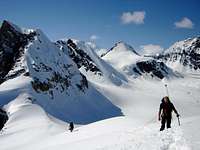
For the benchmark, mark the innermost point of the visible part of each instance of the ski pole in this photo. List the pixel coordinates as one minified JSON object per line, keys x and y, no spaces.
{"x":179,"y":121}
{"x":167,"y":92}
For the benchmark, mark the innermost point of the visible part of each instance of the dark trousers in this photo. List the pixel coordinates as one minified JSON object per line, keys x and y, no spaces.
{"x":165,"y":119}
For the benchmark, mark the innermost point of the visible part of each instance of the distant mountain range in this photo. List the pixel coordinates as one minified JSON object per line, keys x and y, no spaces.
{"x":62,"y":73}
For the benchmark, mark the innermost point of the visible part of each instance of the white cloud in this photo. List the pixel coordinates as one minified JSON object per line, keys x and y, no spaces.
{"x":184,"y":23}
{"x":151,"y":49}
{"x":94,"y":37}
{"x":136,"y":17}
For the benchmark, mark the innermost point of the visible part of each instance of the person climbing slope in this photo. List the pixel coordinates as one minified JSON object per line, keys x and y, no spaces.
{"x":165,"y":112}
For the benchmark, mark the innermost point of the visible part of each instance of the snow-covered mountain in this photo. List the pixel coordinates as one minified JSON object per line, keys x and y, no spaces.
{"x":121,"y":55}
{"x":89,"y":63}
{"x":184,"y":56}
{"x":44,"y":85}
{"x":50,"y":77}
{"x":124,"y":58}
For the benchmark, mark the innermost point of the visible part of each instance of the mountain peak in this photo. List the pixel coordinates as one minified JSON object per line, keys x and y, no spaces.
{"x":184,"y":45}
{"x":8,"y":25}
{"x":122,"y":46}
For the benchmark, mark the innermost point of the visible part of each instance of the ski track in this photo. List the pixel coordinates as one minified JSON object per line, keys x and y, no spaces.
{"x":149,"y":137}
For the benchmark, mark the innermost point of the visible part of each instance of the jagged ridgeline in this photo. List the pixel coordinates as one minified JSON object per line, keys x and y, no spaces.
{"x":185,"y":53}
{"x":51,"y":77}
{"x":79,"y":56}
{"x":13,"y":44}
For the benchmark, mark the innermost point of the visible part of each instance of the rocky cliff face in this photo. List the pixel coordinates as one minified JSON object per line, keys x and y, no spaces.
{"x":79,"y":56}
{"x":153,"y":68}
{"x":12,"y":44}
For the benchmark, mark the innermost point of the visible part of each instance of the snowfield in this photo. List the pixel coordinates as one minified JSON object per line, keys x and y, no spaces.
{"x":29,"y":127}
{"x":37,"y":130}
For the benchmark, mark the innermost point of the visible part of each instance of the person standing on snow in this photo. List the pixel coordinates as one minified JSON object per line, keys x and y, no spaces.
{"x":71,"y":126}
{"x":165,"y":113}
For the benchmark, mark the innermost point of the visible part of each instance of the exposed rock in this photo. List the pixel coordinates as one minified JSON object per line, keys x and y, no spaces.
{"x":152,"y":67}
{"x":186,"y":52}
{"x":12,"y":44}
{"x":81,"y":58}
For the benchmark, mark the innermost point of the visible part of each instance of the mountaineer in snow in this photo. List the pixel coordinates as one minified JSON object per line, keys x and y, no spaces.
{"x":71,"y":126}
{"x":165,"y":113}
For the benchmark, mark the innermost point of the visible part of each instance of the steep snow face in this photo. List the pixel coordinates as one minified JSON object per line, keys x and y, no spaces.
{"x":92,"y":46}
{"x":51,"y":69}
{"x":89,"y":63}
{"x":55,"y":82}
{"x":184,"y":56}
{"x":124,"y":58}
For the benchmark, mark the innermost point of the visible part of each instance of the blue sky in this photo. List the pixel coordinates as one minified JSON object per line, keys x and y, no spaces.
{"x":137,"y":22}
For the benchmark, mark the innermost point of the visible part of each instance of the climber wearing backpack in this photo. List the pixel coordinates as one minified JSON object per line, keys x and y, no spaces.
{"x":165,"y":113}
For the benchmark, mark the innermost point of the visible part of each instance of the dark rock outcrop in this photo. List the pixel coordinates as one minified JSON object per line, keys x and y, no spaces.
{"x":81,"y":58}
{"x":12,"y":44}
{"x":152,"y":67}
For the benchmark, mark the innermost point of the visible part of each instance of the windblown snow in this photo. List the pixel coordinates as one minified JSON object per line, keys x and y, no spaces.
{"x":111,"y":111}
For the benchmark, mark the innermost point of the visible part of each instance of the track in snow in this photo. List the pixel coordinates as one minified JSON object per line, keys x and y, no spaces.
{"x":150,"y":138}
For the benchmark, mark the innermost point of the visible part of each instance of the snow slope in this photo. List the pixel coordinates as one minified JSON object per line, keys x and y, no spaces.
{"x":31,"y":128}
{"x":139,"y":129}
{"x":92,"y":46}
{"x":121,"y":55}
{"x":116,"y":133}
